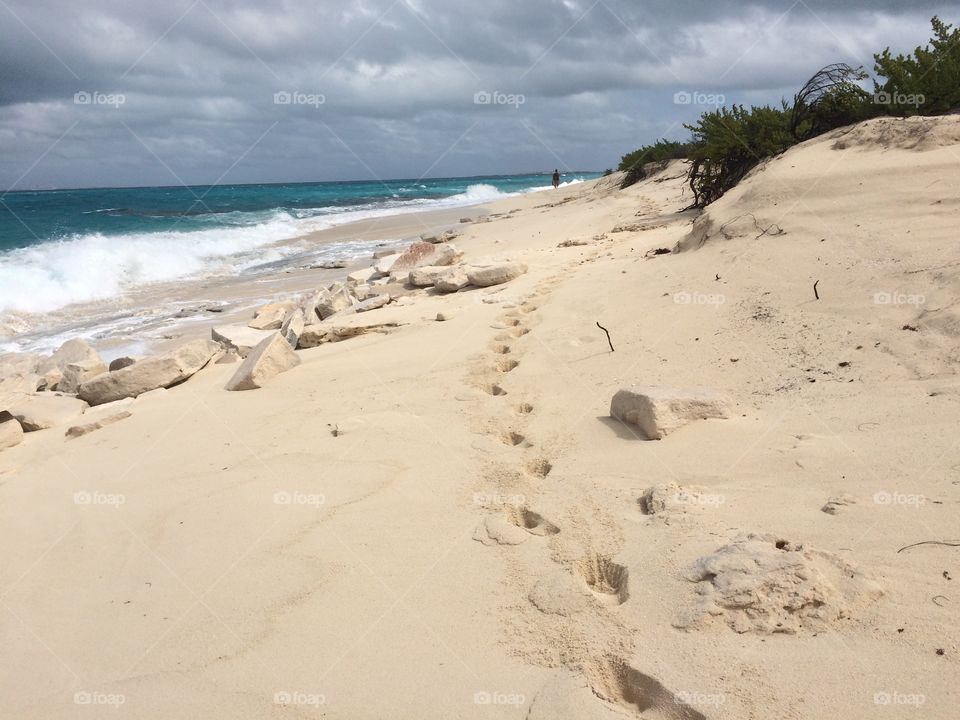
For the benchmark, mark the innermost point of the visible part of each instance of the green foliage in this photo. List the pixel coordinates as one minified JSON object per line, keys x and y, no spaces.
{"x":925,"y":83}
{"x":832,"y":98}
{"x":728,"y":143}
{"x":633,"y":164}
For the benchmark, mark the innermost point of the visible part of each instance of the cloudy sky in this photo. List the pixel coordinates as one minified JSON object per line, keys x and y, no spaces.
{"x":141,"y":92}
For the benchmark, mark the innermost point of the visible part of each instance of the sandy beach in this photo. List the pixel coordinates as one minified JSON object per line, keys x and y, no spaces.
{"x":444,"y":519}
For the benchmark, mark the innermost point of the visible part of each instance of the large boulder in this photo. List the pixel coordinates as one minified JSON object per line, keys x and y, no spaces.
{"x":424,"y":253}
{"x":292,"y":327}
{"x":327,"y":302}
{"x":10,"y":431}
{"x":239,"y":337}
{"x":46,"y":410}
{"x":125,"y":361}
{"x":267,"y":360}
{"x":427,"y":276}
{"x":454,"y":280}
{"x":361,"y":277}
{"x":74,"y":374}
{"x":150,"y":374}
{"x":385,"y":264}
{"x":72,"y":351}
{"x":271,"y":316}
{"x":496,"y":274}
{"x":658,"y":411}
{"x":13,"y":364}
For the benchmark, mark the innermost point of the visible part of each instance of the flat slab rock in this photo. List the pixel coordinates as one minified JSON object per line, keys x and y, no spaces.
{"x":659,"y":411}
{"x":81,"y":430}
{"x":46,"y":410}
{"x":239,"y":337}
{"x":10,"y":431}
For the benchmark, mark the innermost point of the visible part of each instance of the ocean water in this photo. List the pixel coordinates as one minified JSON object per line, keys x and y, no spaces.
{"x":62,"y":247}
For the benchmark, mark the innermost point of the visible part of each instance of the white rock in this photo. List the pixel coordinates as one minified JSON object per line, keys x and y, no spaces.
{"x":239,"y":337}
{"x":374,"y":303}
{"x":46,"y":410}
{"x":444,"y":316}
{"x":267,"y":360}
{"x":271,"y":316}
{"x":427,"y":276}
{"x":360,"y":277}
{"x":658,"y":411}
{"x":495,"y":274}
{"x":149,"y":374}
{"x":385,"y":264}
{"x":327,"y":302}
{"x":77,"y":373}
{"x":14,"y":364}
{"x":292,"y":327}
{"x":420,"y":254}
{"x":452,"y":281}
{"x":76,"y":350}
{"x":10,"y":431}
{"x":361,"y":292}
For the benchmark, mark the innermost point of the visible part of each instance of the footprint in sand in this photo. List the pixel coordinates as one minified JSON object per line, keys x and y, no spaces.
{"x":514,"y":439}
{"x":618,"y":682}
{"x":506,"y":366}
{"x":532,"y":522}
{"x":608,"y":580}
{"x":523,"y":409}
{"x":500,"y":349}
{"x":493,"y":389}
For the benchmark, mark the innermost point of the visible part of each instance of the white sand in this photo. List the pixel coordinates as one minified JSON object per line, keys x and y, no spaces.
{"x":204,"y":595}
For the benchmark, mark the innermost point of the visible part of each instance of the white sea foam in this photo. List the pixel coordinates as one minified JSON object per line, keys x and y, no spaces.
{"x":52,"y":275}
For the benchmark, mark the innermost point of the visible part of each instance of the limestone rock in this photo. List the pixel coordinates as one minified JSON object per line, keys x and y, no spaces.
{"x":361,"y":292}
{"x":496,"y":274}
{"x":81,"y":430}
{"x":239,"y":337}
{"x":427,"y":276}
{"x":361,"y":277}
{"x":121,"y":362}
{"x":19,"y":364}
{"x":452,"y":281}
{"x":423,"y":253}
{"x":77,"y":373}
{"x":150,"y":374}
{"x":271,"y":316}
{"x":10,"y":431}
{"x":385,"y":264}
{"x":374,"y":303}
{"x":46,"y":410}
{"x":658,"y":411}
{"x":327,"y":302}
{"x":76,"y":350}
{"x":267,"y":360}
{"x":292,"y":327}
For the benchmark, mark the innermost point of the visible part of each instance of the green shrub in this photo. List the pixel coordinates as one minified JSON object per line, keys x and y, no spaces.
{"x":926,"y":83}
{"x":727,"y":144}
{"x":660,"y":152}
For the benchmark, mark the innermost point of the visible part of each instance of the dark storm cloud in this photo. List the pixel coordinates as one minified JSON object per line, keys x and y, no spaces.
{"x":193,"y":90}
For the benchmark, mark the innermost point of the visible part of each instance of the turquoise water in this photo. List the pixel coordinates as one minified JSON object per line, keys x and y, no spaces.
{"x":60,"y":247}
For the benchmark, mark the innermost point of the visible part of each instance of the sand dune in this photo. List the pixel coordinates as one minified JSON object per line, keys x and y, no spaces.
{"x":479,"y":538}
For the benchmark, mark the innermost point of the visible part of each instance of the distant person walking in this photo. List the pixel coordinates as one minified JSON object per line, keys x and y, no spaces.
{"x":556,"y":179}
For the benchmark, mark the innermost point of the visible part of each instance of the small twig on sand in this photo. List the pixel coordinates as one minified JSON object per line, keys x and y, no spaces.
{"x":815,"y":293}
{"x":937,"y":597}
{"x":608,"y":336}
{"x":930,"y":542}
